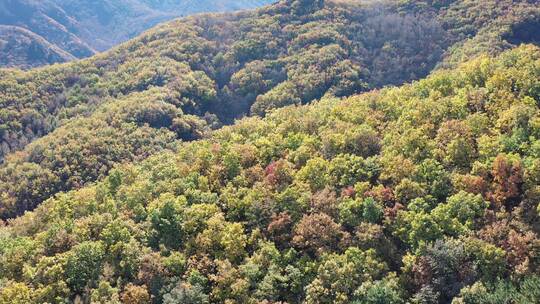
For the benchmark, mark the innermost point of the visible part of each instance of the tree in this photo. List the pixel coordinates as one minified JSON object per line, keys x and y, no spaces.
{"x":456,"y":144}
{"x":407,"y":190}
{"x":437,"y":180}
{"x":416,"y":228}
{"x":318,"y":233}
{"x":301,"y":7}
{"x":15,"y":293}
{"x":167,"y":217}
{"x":348,"y":169}
{"x":134,"y":294}
{"x":105,"y":293}
{"x":186,"y":293}
{"x":280,"y":228}
{"x":352,"y":212}
{"x":152,"y":274}
{"x":442,"y":270}
{"x":314,"y":173}
{"x":524,"y":291}
{"x":223,"y":239}
{"x":283,"y":94}
{"x":339,"y":276}
{"x":507,"y":181}
{"x":385,"y":291}
{"x":279,"y":174}
{"x":84,"y":265}
{"x":325,"y":201}
{"x":457,"y":216}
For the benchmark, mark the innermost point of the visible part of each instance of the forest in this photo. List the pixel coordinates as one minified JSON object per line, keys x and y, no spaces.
{"x":304,"y":152}
{"x":185,"y":78}
{"x":425,"y":193}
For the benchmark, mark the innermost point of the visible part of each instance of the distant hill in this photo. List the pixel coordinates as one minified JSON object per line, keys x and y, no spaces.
{"x":82,"y":28}
{"x":22,"y":48}
{"x":47,"y":20}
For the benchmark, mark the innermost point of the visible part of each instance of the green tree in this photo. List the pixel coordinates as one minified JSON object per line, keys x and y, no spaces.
{"x":84,"y":265}
{"x":458,"y":214}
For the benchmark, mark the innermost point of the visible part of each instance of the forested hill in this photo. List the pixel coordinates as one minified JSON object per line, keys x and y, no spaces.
{"x":426,"y":193}
{"x":80,"y":28}
{"x":64,"y":126}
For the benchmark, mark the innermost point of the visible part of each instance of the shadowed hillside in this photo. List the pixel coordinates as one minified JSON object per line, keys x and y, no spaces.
{"x":22,"y":48}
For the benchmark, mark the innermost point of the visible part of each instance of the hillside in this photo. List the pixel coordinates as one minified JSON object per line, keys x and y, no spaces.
{"x":24,"y":49}
{"x":425,"y":193}
{"x":81,"y":28}
{"x":186,"y":77}
{"x":45,"y":19}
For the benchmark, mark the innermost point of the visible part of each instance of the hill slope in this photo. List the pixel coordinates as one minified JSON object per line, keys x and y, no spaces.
{"x":45,"y":19}
{"x":188,"y":76}
{"x":426,"y":193}
{"x":24,"y":49}
{"x":80,"y":28}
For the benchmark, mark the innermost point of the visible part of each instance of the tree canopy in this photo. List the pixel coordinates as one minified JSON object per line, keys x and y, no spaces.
{"x":186,"y":77}
{"x":364,"y":199}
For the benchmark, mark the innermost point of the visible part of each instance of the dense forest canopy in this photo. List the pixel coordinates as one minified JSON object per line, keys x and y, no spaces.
{"x":366,"y":152}
{"x":424,"y":193}
{"x":184,"y":78}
